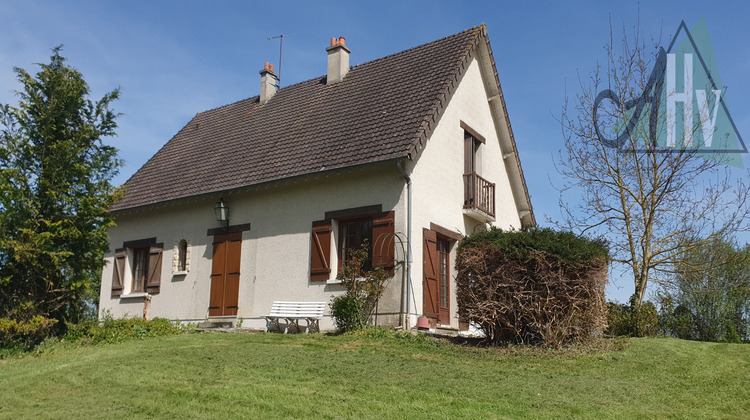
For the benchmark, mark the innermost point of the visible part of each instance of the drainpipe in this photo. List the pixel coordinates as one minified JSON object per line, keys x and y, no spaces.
{"x":408,"y":243}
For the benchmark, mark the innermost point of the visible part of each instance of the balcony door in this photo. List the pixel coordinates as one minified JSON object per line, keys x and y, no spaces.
{"x":471,"y":158}
{"x":479,"y":194}
{"x":471,"y":145}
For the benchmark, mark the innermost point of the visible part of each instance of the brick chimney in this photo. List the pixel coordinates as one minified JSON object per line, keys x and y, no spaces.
{"x":268,"y":82}
{"x":338,"y":60}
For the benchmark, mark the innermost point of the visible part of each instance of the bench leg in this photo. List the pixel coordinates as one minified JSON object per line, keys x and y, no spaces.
{"x":312,"y":325}
{"x":270,"y":322}
{"x":293,"y":321}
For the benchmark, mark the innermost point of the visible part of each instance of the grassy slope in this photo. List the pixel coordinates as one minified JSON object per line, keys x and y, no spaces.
{"x":296,"y":376}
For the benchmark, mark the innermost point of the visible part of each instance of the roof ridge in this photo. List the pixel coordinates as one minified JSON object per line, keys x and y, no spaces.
{"x":474,"y":28}
{"x":418,"y":46}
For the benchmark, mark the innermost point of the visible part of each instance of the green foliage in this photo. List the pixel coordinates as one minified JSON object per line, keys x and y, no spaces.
{"x":24,"y":335}
{"x":675,"y":320}
{"x":527,"y":244}
{"x":535,"y":286}
{"x":55,"y":174}
{"x":354,"y":309}
{"x":619,"y":320}
{"x":118,"y":330}
{"x":645,"y":319}
{"x":632,"y":320}
{"x":389,"y":333}
{"x":709,"y":297}
{"x":345,"y":312}
{"x":730,"y":333}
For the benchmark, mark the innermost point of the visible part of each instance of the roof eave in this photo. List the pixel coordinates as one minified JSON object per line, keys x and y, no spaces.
{"x":505,"y":131}
{"x":236,"y":190}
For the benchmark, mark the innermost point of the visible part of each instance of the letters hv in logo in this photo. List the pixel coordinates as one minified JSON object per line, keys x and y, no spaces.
{"x":683,"y":104}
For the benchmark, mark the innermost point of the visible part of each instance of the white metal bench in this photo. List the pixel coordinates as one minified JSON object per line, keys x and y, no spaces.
{"x":293,"y":312}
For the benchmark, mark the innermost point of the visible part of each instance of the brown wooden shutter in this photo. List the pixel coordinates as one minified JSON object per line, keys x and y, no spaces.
{"x":232,"y":269}
{"x":153,"y":283}
{"x":119,"y":271}
{"x":430,"y":269}
{"x":218,"y":271}
{"x":384,"y":241}
{"x":320,"y":251}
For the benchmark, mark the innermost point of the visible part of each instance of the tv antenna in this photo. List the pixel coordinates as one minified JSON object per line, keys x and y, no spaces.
{"x":281,"y":44}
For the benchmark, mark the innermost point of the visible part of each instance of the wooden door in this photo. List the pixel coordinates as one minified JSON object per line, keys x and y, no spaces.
{"x":225,"y":274}
{"x":430,"y":267}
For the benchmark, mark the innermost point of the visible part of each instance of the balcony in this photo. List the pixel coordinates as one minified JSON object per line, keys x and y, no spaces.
{"x":479,"y":198}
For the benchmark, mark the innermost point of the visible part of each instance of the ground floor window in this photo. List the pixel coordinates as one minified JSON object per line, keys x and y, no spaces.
{"x":140,"y":269}
{"x":343,"y":231}
{"x":137,"y":267}
{"x":354,"y":234}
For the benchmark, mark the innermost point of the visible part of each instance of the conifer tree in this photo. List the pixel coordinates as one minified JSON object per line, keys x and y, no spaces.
{"x":55,"y":189}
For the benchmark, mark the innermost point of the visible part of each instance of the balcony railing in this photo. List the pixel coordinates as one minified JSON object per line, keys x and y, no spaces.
{"x":479,"y":194}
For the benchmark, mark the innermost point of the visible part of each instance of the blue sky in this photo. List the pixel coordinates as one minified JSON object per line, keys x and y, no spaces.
{"x":173,"y":59}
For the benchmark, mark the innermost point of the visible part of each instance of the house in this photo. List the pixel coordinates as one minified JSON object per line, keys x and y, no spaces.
{"x":409,"y":151}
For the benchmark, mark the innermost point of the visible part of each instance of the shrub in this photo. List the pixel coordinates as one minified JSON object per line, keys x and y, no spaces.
{"x":730,"y":333}
{"x":24,"y":335}
{"x":345,"y":313}
{"x":536,"y":286}
{"x":353,"y":310}
{"x":645,"y":320}
{"x":675,"y":321}
{"x":619,"y":319}
{"x":711,"y":289}
{"x":682,"y":323}
{"x":118,"y":330}
{"x":632,"y":320}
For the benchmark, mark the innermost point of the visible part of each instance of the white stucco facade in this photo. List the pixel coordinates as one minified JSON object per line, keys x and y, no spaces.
{"x":276,"y":249}
{"x":437,"y":177}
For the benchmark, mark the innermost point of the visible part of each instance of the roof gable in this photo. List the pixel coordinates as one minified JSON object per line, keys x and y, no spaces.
{"x":382,"y":110}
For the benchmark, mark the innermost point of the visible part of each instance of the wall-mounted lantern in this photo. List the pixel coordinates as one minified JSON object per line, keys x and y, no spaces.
{"x":222,"y":213}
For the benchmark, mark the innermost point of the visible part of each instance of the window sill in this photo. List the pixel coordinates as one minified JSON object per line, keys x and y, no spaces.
{"x":339,"y":281}
{"x":134,"y":295}
{"x":179,"y":273}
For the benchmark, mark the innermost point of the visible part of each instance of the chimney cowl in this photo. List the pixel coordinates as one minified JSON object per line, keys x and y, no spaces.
{"x":340,"y":41}
{"x":267,"y":67}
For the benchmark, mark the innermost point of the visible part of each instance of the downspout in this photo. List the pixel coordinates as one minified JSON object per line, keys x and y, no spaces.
{"x":408,"y":243}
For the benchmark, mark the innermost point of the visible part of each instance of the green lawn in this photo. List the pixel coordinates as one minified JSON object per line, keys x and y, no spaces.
{"x":316,"y":376}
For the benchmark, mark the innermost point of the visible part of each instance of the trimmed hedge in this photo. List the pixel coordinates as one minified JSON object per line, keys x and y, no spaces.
{"x":536,"y":286}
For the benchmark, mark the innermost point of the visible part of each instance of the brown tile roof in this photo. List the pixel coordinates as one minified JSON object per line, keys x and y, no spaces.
{"x":382,"y":110}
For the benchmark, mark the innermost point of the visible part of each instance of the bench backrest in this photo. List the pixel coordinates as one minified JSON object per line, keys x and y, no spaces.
{"x":301,"y":309}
